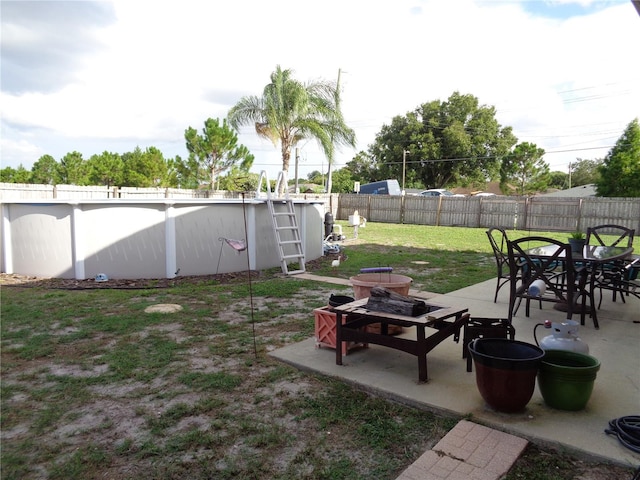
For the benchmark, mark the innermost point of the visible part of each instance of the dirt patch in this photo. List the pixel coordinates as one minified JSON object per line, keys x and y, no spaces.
{"x":163,"y":308}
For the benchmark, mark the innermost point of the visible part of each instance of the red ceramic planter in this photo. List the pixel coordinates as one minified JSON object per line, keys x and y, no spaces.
{"x":505,"y":372}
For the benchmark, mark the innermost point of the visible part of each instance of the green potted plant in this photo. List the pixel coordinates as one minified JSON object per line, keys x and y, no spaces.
{"x":577,"y":241}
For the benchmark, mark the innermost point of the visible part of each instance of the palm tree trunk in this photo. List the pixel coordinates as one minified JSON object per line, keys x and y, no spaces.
{"x":286,"y":157}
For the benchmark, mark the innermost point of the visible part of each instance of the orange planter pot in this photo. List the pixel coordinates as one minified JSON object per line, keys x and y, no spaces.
{"x":363,"y":283}
{"x":326,"y":330}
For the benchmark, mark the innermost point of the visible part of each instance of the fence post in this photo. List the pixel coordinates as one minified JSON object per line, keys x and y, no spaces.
{"x":579,"y":224}
{"x":527,"y":213}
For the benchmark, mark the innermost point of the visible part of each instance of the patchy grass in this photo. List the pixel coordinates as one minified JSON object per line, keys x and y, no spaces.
{"x":103,"y":389}
{"x":93,"y":387}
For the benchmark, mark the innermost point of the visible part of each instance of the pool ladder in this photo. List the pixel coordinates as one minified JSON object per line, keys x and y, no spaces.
{"x":285,"y":226}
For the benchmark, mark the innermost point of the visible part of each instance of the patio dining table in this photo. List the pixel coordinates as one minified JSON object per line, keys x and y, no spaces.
{"x":589,"y":253}
{"x":592,"y":256}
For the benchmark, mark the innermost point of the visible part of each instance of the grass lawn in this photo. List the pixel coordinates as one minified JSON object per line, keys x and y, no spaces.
{"x":95,"y":387}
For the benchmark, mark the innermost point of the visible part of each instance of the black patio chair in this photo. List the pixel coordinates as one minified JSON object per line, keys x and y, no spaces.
{"x":498,"y":240}
{"x":613,"y":276}
{"x":562,"y":281}
{"x":619,"y":277}
{"x":610,"y":236}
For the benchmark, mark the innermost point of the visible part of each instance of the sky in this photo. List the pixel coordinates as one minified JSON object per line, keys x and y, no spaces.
{"x":115,"y":75}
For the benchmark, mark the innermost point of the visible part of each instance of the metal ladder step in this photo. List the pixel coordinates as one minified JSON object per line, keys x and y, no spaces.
{"x":295,"y":272}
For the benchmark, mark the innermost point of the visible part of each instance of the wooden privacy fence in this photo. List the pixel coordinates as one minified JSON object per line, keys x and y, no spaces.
{"x":26,"y":191}
{"x":537,"y":213}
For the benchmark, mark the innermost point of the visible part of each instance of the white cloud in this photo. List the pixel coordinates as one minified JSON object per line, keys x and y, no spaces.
{"x":562,"y":83}
{"x":22,"y":152}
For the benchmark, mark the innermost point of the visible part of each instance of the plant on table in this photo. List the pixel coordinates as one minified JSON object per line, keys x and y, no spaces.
{"x":577,"y":240}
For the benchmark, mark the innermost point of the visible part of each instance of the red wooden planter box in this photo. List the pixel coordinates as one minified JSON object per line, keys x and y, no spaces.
{"x":326,"y":330}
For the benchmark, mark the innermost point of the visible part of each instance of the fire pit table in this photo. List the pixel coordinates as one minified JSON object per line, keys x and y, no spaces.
{"x":446,"y":321}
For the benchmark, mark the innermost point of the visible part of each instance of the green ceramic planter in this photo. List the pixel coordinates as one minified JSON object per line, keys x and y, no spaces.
{"x":566,"y":379}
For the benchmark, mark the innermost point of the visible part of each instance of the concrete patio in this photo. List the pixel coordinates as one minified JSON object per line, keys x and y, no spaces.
{"x":452,"y":390}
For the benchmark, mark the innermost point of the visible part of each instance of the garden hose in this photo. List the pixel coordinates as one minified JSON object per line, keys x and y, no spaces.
{"x":627,"y":429}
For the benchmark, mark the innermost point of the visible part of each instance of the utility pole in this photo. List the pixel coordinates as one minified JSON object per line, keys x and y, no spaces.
{"x":404,"y":168}
{"x":569,"y":174}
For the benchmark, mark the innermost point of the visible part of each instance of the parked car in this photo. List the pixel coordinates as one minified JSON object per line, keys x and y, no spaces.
{"x":439,"y":192}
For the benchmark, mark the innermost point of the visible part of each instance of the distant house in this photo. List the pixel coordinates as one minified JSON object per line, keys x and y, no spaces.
{"x":588,"y":190}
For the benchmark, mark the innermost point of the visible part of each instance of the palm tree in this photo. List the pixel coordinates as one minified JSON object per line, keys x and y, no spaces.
{"x":290,"y":111}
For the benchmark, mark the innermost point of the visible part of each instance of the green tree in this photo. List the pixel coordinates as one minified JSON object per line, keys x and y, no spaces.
{"x":73,"y":170}
{"x":187,"y":172}
{"x":362,"y":168}
{"x":106,"y":169}
{"x":584,"y":172}
{"x":45,"y":171}
{"x":452,"y":142}
{"x":238,"y":179}
{"x":524,"y":170}
{"x":558,"y":180}
{"x":289,"y":111}
{"x":316,"y":177}
{"x":15,"y":175}
{"x":343,"y":181}
{"x":145,"y":169}
{"x":172,"y":177}
{"x":215,"y":151}
{"x":620,"y":171}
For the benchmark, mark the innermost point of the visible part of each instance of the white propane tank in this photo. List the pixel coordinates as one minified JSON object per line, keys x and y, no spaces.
{"x":564,"y":337}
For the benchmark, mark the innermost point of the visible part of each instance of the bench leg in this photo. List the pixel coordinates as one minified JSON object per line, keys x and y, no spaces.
{"x":422,"y":354}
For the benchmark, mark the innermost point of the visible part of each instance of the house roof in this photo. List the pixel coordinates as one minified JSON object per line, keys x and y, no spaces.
{"x":588,"y":190}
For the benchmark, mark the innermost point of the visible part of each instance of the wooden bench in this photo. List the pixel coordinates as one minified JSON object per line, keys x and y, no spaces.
{"x":446,"y":321}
